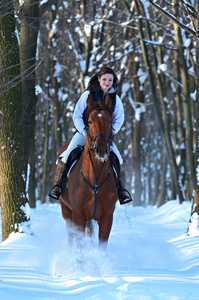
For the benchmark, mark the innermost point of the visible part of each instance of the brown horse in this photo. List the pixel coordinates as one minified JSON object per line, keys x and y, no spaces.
{"x":92,"y":191}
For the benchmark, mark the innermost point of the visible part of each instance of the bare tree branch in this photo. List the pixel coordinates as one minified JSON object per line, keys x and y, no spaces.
{"x":171,"y":17}
{"x":189,"y":14}
{"x":154,"y":43}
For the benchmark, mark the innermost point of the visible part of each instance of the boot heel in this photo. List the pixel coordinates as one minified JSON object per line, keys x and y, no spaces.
{"x":55,"y":195}
{"x":58,"y":179}
{"x":124,"y":196}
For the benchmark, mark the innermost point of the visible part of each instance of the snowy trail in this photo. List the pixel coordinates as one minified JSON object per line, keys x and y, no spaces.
{"x":149,"y":256}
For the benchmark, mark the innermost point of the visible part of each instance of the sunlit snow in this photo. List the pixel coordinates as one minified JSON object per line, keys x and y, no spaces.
{"x":149,"y":256}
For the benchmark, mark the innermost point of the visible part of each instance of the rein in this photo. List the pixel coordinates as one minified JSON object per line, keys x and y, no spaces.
{"x":96,"y":188}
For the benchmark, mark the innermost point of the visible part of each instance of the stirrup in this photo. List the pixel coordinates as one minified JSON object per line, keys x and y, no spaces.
{"x":55,"y":196}
{"x":127,"y":200}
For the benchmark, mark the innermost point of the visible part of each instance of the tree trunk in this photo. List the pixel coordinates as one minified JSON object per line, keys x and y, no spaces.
{"x":161,"y":197}
{"x":161,"y":116}
{"x":194,"y":221}
{"x":45,"y":177}
{"x":29,"y":26}
{"x":32,"y":179}
{"x":137,"y":136}
{"x":186,"y":102}
{"x":12,"y":184}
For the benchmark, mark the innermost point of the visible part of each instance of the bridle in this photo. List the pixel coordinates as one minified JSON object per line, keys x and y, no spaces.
{"x":102,"y":135}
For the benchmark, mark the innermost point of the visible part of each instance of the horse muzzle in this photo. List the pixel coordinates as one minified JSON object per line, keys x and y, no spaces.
{"x":101,"y":153}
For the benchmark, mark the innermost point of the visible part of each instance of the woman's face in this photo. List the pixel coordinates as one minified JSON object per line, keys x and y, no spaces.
{"x":106,"y":82}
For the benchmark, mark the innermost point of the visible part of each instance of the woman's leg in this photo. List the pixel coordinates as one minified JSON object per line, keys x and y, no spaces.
{"x":77,"y":140}
{"x":124,"y":195}
{"x":117,"y":153}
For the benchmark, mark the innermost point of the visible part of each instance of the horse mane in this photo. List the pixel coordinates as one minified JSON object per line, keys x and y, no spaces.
{"x":93,"y":106}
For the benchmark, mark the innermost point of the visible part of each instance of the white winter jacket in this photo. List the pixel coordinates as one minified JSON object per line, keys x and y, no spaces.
{"x":118,"y":114}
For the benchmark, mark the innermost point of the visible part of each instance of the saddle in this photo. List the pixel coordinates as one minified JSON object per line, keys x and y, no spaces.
{"x":76,"y":153}
{"x":73,"y":157}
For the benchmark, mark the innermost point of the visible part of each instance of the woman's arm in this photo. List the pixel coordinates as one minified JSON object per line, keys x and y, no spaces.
{"x":118,"y":115}
{"x":78,"y":113}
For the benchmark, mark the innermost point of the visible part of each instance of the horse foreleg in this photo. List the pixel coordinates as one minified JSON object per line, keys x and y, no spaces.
{"x":89,"y":228}
{"x":105,"y":225}
{"x":67,"y":215}
{"x":79,"y":228}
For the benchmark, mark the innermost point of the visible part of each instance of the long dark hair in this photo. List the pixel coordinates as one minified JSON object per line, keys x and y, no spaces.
{"x":94,"y":85}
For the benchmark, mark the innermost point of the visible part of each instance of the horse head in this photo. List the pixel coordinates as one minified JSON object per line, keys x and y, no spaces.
{"x":98,"y":120}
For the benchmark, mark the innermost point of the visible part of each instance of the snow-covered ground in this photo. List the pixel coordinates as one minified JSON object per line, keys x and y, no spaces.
{"x":149,"y":256}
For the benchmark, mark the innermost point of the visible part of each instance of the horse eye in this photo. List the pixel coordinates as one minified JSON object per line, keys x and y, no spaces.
{"x":89,"y":122}
{"x":111,"y":122}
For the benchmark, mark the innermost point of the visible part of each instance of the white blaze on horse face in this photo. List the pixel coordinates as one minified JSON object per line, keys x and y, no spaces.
{"x":99,"y":115}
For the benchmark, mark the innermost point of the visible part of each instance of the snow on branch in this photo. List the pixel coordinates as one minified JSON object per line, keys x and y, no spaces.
{"x":190,"y":8}
{"x":154,"y":43}
{"x":164,"y":70}
{"x":174,"y":19}
{"x":73,"y":48}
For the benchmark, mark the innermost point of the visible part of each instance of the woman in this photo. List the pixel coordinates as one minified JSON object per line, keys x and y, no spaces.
{"x":103,"y":82}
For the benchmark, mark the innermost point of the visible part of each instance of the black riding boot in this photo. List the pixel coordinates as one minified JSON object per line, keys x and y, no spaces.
{"x":124,"y":195}
{"x":55,"y":192}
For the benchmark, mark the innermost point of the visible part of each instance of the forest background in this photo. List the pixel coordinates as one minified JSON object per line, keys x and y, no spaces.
{"x":50,"y":49}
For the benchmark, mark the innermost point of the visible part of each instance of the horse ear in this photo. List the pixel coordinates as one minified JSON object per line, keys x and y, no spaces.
{"x":89,"y":100}
{"x":108,"y":100}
